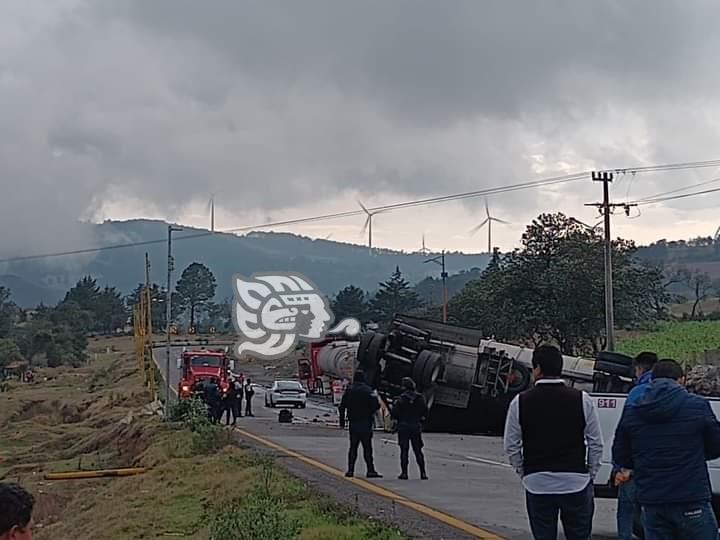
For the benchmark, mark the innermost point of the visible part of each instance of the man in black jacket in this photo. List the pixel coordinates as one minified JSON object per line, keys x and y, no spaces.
{"x":361,"y":405}
{"x":249,"y":393}
{"x":410,"y":411}
{"x":16,"y":508}
{"x":665,"y":438}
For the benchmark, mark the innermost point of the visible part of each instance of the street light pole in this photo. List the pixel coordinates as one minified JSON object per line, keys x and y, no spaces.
{"x":168,"y":311}
{"x":440,"y":259}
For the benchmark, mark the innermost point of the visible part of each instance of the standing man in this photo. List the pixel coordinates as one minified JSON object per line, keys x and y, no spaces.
{"x":237,"y":388}
{"x":628,"y":508}
{"x":249,"y":393}
{"x":16,"y":507}
{"x":553,"y":440}
{"x":665,"y":439}
{"x":361,"y":406}
{"x":410,"y":411}
{"x":231,"y":403}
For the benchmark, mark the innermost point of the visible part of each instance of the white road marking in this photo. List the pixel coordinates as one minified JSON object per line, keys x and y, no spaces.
{"x":489,"y":461}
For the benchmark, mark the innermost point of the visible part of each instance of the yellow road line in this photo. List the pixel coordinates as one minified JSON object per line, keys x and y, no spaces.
{"x":447,"y":519}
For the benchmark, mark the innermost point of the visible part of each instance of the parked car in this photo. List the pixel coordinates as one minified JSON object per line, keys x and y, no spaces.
{"x":287,"y":393}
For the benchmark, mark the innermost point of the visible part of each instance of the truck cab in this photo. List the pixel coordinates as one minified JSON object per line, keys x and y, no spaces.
{"x":201,"y":366}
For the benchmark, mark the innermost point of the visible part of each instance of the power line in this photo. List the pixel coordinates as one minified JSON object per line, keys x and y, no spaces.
{"x":311,"y":219}
{"x":679,"y":190}
{"x":395,"y":206}
{"x":675,"y":197}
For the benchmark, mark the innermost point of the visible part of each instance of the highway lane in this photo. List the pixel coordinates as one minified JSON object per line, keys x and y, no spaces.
{"x":469,"y":477}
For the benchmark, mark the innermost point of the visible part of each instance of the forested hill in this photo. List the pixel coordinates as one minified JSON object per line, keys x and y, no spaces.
{"x":702,"y":254}
{"x":332,"y":265}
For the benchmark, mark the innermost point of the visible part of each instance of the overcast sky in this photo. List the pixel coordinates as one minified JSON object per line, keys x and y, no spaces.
{"x":144,"y":108}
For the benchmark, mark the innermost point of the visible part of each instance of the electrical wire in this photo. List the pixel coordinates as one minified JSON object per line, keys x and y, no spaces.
{"x":678,"y":190}
{"x":676,"y":197}
{"x":395,"y":206}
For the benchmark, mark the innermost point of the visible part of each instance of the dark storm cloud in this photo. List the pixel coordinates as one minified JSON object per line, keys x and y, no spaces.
{"x":274,"y":105}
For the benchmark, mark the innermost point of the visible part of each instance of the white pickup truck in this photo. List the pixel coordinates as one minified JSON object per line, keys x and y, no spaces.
{"x":610,"y":408}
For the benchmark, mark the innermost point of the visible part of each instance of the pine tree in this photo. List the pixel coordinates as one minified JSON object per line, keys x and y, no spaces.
{"x":350,"y":302}
{"x":395,"y":296}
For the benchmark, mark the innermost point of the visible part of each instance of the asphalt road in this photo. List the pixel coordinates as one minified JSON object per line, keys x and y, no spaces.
{"x":469,"y":478}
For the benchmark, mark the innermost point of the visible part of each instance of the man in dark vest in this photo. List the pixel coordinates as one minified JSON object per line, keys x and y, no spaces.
{"x":361,"y":405}
{"x":553,"y":440}
{"x":410,"y":411}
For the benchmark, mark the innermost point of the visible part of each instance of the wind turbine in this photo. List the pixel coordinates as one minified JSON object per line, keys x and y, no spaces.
{"x":211,"y":208}
{"x":368,"y":224}
{"x":424,"y":250}
{"x":488,"y":221}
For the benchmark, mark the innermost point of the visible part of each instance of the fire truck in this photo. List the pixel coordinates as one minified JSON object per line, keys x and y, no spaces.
{"x":200,"y":366}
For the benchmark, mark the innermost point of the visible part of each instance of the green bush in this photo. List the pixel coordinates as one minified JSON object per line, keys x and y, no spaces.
{"x":255,"y":517}
{"x":207,"y":438}
{"x":191,"y":412}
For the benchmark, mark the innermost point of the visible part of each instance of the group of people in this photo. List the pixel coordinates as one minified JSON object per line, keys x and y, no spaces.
{"x":227,"y":403}
{"x":662,"y":442}
{"x":360,"y":405}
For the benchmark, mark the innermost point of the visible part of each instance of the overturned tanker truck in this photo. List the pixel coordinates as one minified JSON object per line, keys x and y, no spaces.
{"x":467,"y":380}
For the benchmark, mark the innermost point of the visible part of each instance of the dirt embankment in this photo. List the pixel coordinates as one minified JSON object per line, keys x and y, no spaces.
{"x":96,"y":417}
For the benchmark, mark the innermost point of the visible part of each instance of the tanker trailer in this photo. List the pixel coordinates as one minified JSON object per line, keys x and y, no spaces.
{"x":468,"y":381}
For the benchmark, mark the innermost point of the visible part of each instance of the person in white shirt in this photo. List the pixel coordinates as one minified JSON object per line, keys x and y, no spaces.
{"x":553,"y":441}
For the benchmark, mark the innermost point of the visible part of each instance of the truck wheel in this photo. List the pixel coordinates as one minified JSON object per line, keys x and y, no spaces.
{"x":615,"y":358}
{"x":613,"y":369}
{"x":365,"y":341}
{"x":519,"y":378}
{"x":427,"y":368}
{"x":375,"y":350}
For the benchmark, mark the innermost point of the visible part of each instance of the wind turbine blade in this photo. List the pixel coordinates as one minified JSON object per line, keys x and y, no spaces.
{"x":478,"y":227}
{"x":363,"y":207}
{"x":367,"y":223}
{"x":501,"y":221}
{"x":487,"y":208}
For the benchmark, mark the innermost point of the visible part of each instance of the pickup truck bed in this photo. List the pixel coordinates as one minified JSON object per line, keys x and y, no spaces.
{"x":610,"y":408}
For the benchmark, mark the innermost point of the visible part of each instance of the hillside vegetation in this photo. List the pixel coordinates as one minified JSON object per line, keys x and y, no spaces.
{"x":683,"y":341}
{"x":95,"y":416}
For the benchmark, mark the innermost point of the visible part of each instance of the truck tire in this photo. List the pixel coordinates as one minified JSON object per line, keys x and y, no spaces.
{"x":519,"y":379}
{"x":427,"y":368}
{"x":615,"y":358}
{"x":429,"y":395}
{"x":613,"y":369}
{"x":375,"y":350}
{"x":365,"y":341}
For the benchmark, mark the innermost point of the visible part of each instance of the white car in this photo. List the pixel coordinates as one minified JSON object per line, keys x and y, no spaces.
{"x":287,"y":393}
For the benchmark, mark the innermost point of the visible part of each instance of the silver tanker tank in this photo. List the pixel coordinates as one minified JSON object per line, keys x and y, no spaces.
{"x":338,"y":359}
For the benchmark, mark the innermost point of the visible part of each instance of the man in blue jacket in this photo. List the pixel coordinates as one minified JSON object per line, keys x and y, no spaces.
{"x":628,"y":508}
{"x":665,"y":439}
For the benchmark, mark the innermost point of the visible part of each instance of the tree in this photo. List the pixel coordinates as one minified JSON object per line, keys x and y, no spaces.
{"x":8,"y":312}
{"x":157,"y":303}
{"x":9,"y":352}
{"x":702,"y":287}
{"x":350,"y":302}
{"x":552,"y":288}
{"x":111,"y":313}
{"x":394,"y":296}
{"x":195,"y":287}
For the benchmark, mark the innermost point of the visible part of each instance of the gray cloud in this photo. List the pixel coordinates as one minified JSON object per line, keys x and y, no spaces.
{"x":276,"y":104}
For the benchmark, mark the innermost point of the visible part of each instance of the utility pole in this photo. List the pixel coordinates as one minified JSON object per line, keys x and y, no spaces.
{"x":606,"y":208}
{"x":212,"y":214}
{"x":440,"y":259}
{"x":168,"y":311}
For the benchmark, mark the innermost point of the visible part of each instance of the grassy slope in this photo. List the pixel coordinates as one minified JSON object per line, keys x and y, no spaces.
{"x":79,"y":419}
{"x":684,"y":341}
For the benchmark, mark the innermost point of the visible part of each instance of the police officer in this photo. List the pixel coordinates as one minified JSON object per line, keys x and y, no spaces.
{"x":361,"y":405}
{"x":237,"y":387}
{"x":410,"y":411}
{"x":212,"y":398}
{"x":249,"y":393}
{"x":230,"y":403}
